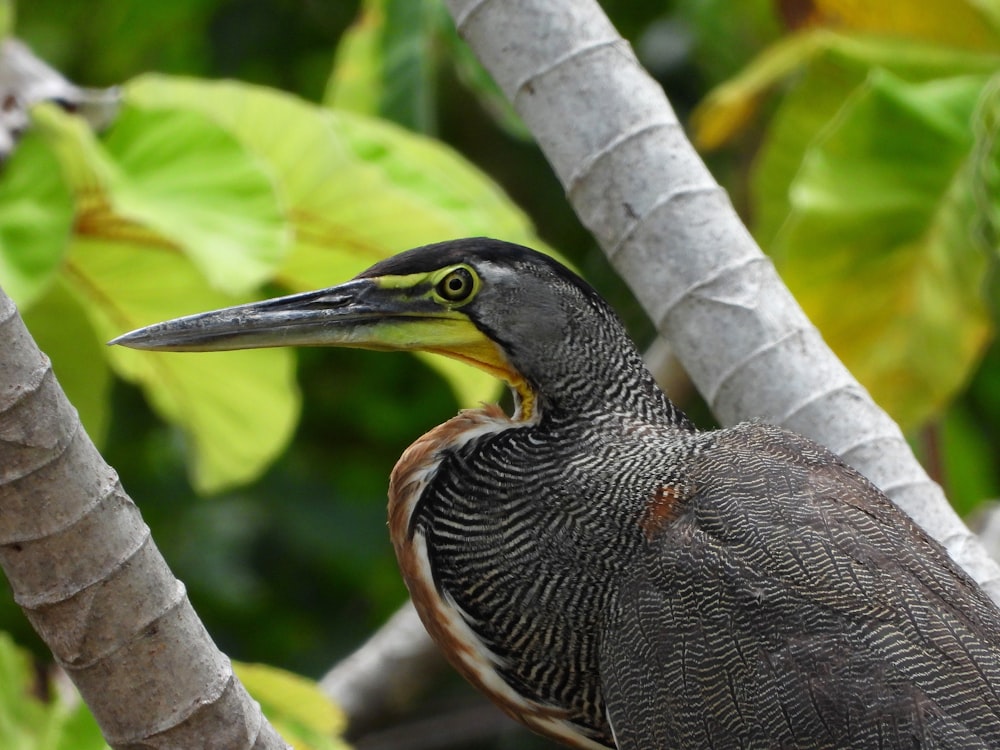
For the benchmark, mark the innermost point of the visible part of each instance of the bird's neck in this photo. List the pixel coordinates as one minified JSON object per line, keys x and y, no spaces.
{"x":594,"y":390}
{"x":579,"y":363}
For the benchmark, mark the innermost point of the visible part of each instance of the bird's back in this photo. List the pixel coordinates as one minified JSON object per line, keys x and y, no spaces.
{"x":787,"y":603}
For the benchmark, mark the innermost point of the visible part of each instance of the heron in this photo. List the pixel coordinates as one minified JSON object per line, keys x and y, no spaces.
{"x":613,"y":577}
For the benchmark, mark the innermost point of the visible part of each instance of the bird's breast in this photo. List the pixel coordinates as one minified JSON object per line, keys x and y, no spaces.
{"x":457,"y":631}
{"x":421,"y":460}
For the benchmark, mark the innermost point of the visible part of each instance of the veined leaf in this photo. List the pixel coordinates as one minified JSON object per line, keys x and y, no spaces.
{"x":877,"y":248}
{"x":170,"y":177}
{"x":238,"y":409}
{"x":356,"y":189}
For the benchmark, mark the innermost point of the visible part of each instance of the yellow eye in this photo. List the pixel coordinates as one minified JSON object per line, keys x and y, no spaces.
{"x":457,"y":286}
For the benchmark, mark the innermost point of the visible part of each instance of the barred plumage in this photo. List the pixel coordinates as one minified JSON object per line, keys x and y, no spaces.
{"x":614,"y":578}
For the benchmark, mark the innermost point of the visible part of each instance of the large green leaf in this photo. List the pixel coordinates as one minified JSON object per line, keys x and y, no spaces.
{"x":833,"y":68}
{"x":36,"y":217}
{"x":176,"y":178}
{"x":877,"y":248}
{"x":238,"y":409}
{"x":172,"y":208}
{"x":356,"y":189}
{"x":192,"y":182}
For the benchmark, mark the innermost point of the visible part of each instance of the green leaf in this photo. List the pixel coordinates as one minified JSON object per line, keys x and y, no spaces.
{"x":384,"y":65}
{"x":969,"y":461}
{"x":834,"y":68}
{"x":297,"y":708}
{"x":238,"y":409}
{"x":183,"y":181}
{"x":356,"y":189}
{"x":61,"y":329}
{"x":801,"y":117}
{"x":36,"y":218}
{"x":7,"y":18}
{"x":194,"y":183}
{"x":877,"y":249}
{"x":27,"y":723}
{"x":986,"y":175}
{"x":729,"y":108}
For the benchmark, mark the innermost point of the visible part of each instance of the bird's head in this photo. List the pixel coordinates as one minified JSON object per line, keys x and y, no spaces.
{"x":506,"y":309}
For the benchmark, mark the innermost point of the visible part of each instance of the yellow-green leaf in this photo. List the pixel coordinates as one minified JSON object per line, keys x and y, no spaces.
{"x":297,"y":708}
{"x":877,"y":248}
{"x":730,"y":107}
{"x":183,"y":181}
{"x":237,"y":409}
{"x":356,"y":189}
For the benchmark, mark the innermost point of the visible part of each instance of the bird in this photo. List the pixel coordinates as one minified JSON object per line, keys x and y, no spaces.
{"x":610,"y":575}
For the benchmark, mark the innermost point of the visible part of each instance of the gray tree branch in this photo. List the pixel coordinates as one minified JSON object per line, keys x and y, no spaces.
{"x":85,"y":570}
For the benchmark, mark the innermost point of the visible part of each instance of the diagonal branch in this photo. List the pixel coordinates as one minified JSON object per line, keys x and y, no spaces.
{"x":87,"y":574}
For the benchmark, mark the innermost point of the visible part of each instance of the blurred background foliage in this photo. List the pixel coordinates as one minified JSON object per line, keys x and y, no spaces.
{"x":268,"y":146}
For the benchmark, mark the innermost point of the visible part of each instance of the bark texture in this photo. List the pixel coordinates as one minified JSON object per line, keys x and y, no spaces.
{"x":84,"y":568}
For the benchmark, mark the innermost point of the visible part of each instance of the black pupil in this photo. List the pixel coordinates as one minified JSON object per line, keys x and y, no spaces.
{"x":457,"y":285}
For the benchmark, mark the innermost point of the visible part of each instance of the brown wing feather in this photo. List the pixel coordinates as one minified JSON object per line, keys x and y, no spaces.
{"x":790,"y":604}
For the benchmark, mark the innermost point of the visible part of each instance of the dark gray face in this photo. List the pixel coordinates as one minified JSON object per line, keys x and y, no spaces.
{"x":556,"y":331}
{"x":566,"y":342}
{"x":527,"y":310}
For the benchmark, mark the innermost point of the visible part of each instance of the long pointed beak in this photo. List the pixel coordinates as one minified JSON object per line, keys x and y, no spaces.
{"x":357,"y":313}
